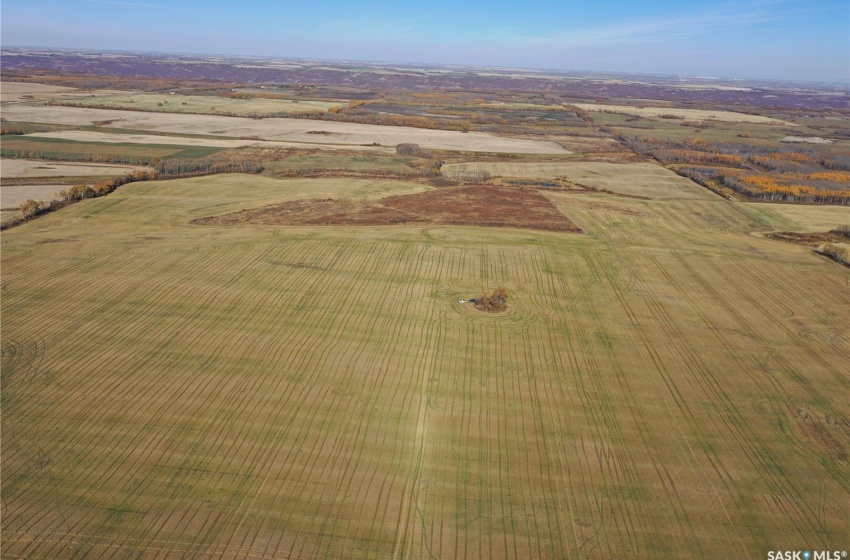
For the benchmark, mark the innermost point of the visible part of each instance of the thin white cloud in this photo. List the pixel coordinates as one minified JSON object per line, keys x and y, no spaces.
{"x":133,"y":4}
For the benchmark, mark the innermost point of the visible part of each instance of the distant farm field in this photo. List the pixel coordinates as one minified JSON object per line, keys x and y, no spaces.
{"x":115,"y":138}
{"x":665,"y":386}
{"x":62,"y":149}
{"x":636,"y":179}
{"x":202,"y":104}
{"x":12,"y":196}
{"x":286,"y":129}
{"x":22,"y":168}
{"x":805,"y":218}
{"x":11,"y":92}
{"x":691,"y":114}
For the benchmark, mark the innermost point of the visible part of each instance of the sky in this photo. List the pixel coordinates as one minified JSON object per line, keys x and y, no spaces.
{"x":805,"y":40}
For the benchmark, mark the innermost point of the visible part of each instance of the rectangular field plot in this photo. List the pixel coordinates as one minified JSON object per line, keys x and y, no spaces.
{"x":12,"y":196}
{"x":203,"y":104}
{"x":636,"y":179}
{"x":24,"y":168}
{"x":63,"y":149}
{"x":691,"y":114}
{"x":284,"y":129}
{"x":666,"y":386}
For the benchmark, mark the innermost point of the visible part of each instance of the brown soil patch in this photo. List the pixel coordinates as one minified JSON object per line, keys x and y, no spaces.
{"x":490,"y":206}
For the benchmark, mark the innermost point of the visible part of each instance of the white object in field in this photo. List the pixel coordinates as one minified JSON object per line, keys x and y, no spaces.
{"x":461,"y":301}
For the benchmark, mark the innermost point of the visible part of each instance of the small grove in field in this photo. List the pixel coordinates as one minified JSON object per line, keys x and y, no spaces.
{"x":494,"y":303}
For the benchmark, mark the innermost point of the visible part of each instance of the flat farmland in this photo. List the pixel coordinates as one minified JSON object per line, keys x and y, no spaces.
{"x":286,"y":129}
{"x":691,"y":114}
{"x":25,"y":168}
{"x":636,"y":179}
{"x":666,"y":385}
{"x":18,"y":91}
{"x":60,"y":148}
{"x":120,"y":138}
{"x":804,"y":218}
{"x":202,"y":104}
{"x":12,"y":196}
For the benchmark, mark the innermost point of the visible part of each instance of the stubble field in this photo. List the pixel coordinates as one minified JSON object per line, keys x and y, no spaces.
{"x":633,"y":179}
{"x":692,"y":114}
{"x":665,"y":385}
{"x":201,"y":104}
{"x":286,"y":129}
{"x":24,"y":168}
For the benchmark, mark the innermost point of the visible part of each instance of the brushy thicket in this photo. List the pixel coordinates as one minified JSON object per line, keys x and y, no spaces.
{"x":431,"y":168}
{"x":775,"y":174}
{"x":494,"y":303}
{"x":837,"y":253}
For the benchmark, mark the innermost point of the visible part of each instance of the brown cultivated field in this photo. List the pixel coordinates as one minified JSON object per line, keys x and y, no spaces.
{"x":287,"y":129}
{"x":460,"y":206}
{"x":667,"y":385}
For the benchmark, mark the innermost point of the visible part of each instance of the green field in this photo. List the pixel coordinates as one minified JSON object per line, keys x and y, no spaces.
{"x":61,"y":149}
{"x":665,"y":385}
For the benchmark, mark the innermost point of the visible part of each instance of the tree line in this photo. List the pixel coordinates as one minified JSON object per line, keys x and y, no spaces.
{"x":757,"y":172}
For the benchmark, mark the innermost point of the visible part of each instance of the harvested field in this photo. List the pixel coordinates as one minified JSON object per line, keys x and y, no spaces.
{"x":7,"y":216}
{"x":689,"y":114}
{"x":635,"y":179}
{"x":27,"y":92}
{"x":290,"y":129}
{"x":60,"y":149}
{"x":202,"y":104}
{"x":666,"y":386}
{"x":110,"y":138}
{"x":802,"y":217}
{"x":12,"y":196}
{"x":15,"y":168}
{"x":17,"y":91}
{"x":14,"y":88}
{"x":461,"y":206}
